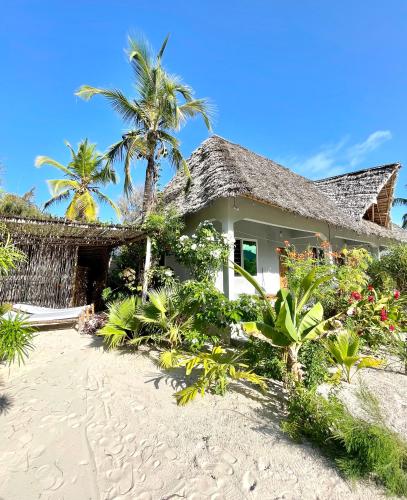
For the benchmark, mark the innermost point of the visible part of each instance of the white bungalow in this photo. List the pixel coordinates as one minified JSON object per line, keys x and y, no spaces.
{"x":262,"y":204}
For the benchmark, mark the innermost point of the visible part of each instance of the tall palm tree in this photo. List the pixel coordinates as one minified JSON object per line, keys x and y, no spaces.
{"x":162,"y":105}
{"x":84,"y":174}
{"x":401,"y":202}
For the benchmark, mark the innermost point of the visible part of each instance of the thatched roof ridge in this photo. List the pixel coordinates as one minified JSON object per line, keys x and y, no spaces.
{"x":222,"y":169}
{"x":69,"y":232}
{"x":357,"y":191}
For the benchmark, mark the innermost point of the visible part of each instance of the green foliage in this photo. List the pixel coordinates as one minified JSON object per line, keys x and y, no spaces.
{"x":21,"y":206}
{"x":164,"y":226}
{"x":291,"y":321}
{"x":204,"y":253}
{"x":83,"y":176}
{"x":215,"y":369}
{"x":314,"y":358}
{"x":344,"y":350}
{"x":122,"y":323}
{"x":10,"y":256}
{"x":391,"y":270}
{"x":163,"y":318}
{"x":125,"y":272}
{"x":265,"y":359}
{"x":361,"y":449}
{"x":350,"y":275}
{"x":16,"y":336}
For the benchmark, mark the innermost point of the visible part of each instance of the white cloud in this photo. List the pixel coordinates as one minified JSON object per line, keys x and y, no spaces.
{"x":336,"y":158}
{"x":358,"y":152}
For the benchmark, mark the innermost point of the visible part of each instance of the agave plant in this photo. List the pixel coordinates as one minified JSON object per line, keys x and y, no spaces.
{"x":122,"y":323}
{"x":290,"y":322}
{"x":217,"y":367}
{"x":162,"y":316}
{"x":344,"y":350}
{"x":10,"y":256}
{"x":16,"y":336}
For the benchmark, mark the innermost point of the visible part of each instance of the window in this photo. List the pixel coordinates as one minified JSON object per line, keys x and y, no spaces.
{"x":246,"y":255}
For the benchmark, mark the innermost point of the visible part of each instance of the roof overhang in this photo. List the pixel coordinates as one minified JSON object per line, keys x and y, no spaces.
{"x":62,"y":231}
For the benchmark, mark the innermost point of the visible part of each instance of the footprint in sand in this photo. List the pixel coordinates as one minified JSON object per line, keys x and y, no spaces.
{"x":249,"y":481}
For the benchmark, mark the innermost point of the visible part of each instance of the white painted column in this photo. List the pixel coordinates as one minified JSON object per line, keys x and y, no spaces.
{"x":228,"y":272}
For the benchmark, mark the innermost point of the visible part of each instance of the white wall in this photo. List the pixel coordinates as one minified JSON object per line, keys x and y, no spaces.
{"x":270,"y":227}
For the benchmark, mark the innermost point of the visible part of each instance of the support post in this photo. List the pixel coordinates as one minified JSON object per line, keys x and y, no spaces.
{"x":228,"y":272}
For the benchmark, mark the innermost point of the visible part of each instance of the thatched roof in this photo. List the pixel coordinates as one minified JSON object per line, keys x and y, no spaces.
{"x":222,"y":169}
{"x":68,"y":232}
{"x":368,"y":189}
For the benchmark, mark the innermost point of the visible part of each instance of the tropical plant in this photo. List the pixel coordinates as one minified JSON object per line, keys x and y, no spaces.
{"x":162,"y":105}
{"x":344,"y":351}
{"x":122,"y":323}
{"x":205,"y":252}
{"x":22,"y":206}
{"x":390,"y":271}
{"x":84,"y":174}
{"x":361,"y":449}
{"x":162,"y":317}
{"x":216,"y":369}
{"x":291,"y":321}
{"x":16,"y":336}
{"x":10,"y":255}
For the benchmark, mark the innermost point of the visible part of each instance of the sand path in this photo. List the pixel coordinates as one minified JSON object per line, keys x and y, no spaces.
{"x":78,"y":423}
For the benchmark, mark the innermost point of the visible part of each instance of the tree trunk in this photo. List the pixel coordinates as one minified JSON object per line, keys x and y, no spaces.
{"x":148,"y":204}
{"x":293,"y":366}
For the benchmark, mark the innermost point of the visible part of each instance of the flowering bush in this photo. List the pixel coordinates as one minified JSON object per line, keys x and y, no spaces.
{"x":161,"y":276}
{"x":376,"y":316}
{"x":205,"y":252}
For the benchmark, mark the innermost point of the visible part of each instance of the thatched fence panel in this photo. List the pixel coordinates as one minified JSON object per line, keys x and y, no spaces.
{"x":46,"y":278}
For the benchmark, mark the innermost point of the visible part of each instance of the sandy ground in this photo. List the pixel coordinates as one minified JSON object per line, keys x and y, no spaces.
{"x":79,"y":423}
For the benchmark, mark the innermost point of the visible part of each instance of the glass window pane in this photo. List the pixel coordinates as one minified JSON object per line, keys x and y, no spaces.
{"x":250,"y":257}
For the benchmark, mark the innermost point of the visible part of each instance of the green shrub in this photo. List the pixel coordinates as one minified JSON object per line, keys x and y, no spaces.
{"x":122,"y":323}
{"x":361,"y":449}
{"x":391,"y":270}
{"x":215,"y":370}
{"x":315,"y":360}
{"x":265,"y":359}
{"x":16,"y":336}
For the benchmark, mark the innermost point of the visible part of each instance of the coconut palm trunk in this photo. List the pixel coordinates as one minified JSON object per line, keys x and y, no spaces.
{"x":150,"y":192}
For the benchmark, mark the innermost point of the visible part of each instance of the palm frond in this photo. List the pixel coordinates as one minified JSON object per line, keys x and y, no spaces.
{"x":105,"y":199}
{"x":58,"y":186}
{"x":62,"y":196}
{"x":400,"y":202}
{"x":46,"y":160}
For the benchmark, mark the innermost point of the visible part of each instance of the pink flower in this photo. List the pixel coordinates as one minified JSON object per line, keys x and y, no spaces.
{"x":396,"y":294}
{"x":370,"y":288}
{"x":370,"y":298}
{"x":391,"y":328}
{"x":356,"y":296}
{"x":383,"y":314}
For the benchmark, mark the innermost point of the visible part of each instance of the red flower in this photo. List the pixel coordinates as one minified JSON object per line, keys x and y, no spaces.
{"x":370,"y":288}
{"x":396,"y":294}
{"x":356,"y":296}
{"x":391,"y":328}
{"x":370,"y":298}
{"x":383,"y":314}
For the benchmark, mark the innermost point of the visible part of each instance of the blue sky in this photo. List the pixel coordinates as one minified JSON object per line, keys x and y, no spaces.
{"x":318,"y":86}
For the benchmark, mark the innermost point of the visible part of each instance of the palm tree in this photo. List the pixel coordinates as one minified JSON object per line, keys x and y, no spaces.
{"x":162,"y":105}
{"x":401,"y":202}
{"x":84,"y":174}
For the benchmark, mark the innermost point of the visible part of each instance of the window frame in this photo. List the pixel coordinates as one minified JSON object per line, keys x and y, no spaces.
{"x":253,"y":240}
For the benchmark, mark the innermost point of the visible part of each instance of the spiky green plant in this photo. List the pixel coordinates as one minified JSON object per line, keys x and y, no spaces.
{"x":290,"y":322}
{"x":122,"y":323}
{"x":344,"y":350}
{"x":16,"y":336}
{"x":216,"y":369}
{"x":163,"y":318}
{"x":84,"y":174}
